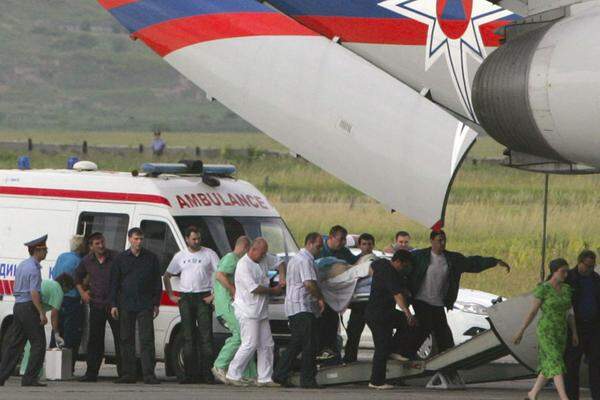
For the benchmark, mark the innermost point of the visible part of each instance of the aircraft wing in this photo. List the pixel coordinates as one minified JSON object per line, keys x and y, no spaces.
{"x":316,"y":97}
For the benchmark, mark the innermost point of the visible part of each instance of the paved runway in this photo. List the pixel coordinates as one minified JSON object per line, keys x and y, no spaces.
{"x":170,"y":390}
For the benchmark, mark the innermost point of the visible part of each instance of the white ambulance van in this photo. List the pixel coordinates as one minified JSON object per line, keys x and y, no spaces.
{"x":163,"y":199}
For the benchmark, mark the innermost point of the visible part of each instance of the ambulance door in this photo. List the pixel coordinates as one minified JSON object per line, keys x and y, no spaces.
{"x":163,"y":239}
{"x":113,"y":221}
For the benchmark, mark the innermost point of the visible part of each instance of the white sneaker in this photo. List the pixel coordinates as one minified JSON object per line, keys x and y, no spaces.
{"x":234,"y":382}
{"x":219,"y":374}
{"x":398,"y":357}
{"x":381,"y":387}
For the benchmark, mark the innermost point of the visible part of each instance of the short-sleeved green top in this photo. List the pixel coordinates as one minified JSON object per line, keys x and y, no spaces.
{"x":52,"y":295}
{"x":222,"y":295}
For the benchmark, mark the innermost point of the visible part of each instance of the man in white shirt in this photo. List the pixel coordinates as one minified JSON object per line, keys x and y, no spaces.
{"x":303,"y":304}
{"x":196,"y":266}
{"x":251,"y":307}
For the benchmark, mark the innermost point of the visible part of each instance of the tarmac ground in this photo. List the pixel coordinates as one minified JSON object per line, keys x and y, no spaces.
{"x":104,"y":389}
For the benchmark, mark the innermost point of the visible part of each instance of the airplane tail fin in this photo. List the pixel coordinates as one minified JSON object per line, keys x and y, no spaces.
{"x":433,"y":46}
{"x":318,"y":98}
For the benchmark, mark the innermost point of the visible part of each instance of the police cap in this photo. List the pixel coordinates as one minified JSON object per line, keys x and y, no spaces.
{"x":39,"y":242}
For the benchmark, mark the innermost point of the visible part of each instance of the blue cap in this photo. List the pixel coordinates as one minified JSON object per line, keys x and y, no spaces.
{"x":41,"y":241}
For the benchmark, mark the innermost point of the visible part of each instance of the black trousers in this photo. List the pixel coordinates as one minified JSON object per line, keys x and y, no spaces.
{"x":356,"y":325}
{"x":145,"y":322}
{"x":303,"y":340}
{"x":196,"y":322}
{"x":385,"y":341}
{"x":328,"y":330}
{"x":99,"y":316}
{"x":589,"y":345}
{"x":432,"y":320}
{"x":25,"y":327}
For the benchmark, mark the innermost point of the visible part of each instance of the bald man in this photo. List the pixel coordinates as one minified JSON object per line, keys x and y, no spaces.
{"x":251,"y":305}
{"x":224,"y":293}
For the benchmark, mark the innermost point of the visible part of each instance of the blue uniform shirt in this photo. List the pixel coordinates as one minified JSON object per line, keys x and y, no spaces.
{"x":67,"y":263}
{"x":27,"y":278}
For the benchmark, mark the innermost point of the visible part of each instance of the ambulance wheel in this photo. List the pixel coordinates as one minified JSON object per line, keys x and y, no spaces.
{"x":175,"y":355}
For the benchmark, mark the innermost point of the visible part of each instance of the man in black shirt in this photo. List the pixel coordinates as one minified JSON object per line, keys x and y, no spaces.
{"x":586,"y":305}
{"x":136,"y":289}
{"x":387,"y":290}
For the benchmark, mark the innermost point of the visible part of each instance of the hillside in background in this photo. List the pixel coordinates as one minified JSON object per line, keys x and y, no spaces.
{"x":68,"y":65}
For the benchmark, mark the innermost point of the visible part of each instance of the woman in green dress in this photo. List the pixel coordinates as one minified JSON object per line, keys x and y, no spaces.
{"x":554,"y":298}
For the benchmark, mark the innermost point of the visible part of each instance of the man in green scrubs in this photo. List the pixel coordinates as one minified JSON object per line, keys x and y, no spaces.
{"x":52,"y":297}
{"x":224,"y":291}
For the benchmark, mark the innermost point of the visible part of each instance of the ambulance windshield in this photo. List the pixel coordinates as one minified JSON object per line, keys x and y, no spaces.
{"x":220,"y":233}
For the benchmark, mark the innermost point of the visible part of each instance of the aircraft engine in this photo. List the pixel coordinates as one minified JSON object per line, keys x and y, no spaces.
{"x":539,"y":93}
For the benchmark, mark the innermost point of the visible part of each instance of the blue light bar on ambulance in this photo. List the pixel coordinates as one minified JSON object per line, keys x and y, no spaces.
{"x":179,"y":168}
{"x":219,"y":169}
{"x":163,"y":168}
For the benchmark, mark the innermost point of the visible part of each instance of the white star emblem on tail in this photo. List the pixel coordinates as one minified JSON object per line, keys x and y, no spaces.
{"x":453,"y":32}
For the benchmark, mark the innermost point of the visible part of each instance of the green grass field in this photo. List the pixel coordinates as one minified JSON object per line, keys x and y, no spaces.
{"x":492,"y":210}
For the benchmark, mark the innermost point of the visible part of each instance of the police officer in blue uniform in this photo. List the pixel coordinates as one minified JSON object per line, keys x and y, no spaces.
{"x":29,"y":318}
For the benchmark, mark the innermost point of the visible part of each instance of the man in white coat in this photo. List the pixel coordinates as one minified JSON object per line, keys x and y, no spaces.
{"x":251,"y":305}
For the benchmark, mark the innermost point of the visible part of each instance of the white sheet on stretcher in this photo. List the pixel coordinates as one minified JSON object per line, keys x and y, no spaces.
{"x":339,"y":290}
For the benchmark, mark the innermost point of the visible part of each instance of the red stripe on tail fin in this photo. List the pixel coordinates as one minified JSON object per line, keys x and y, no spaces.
{"x":108,"y":4}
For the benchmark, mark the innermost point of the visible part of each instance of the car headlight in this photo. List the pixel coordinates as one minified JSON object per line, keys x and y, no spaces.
{"x":471,"y":308}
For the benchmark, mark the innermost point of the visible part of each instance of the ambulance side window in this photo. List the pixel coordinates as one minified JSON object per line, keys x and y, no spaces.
{"x":112,"y":226}
{"x":159,"y":239}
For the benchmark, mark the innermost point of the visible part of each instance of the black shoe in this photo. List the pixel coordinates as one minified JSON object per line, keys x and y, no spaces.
{"x":283,"y":382}
{"x":151,"y":381}
{"x":87,"y":378}
{"x":187,"y":381}
{"x":33,"y":384}
{"x":125,"y":380}
{"x":311,"y":385}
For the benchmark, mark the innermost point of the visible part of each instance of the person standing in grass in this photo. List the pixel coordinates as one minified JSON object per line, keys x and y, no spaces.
{"x":224,"y":288}
{"x":158,"y":144}
{"x":553,"y":297}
